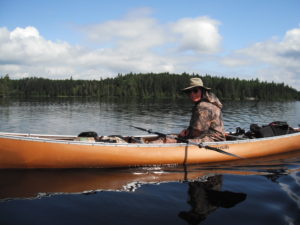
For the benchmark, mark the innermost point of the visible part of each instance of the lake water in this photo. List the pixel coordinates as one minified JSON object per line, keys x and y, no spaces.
{"x":260,"y":191}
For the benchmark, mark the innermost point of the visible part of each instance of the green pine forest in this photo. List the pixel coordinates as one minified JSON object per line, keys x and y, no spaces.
{"x":142,"y":86}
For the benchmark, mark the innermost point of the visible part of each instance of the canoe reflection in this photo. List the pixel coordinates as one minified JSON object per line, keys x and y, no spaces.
{"x":18,"y":184}
{"x":206,"y":197}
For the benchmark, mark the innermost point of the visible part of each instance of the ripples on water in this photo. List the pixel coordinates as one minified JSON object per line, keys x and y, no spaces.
{"x":72,"y":116}
{"x":244,"y":113}
{"x":264,"y":191}
{"x":260,"y":191}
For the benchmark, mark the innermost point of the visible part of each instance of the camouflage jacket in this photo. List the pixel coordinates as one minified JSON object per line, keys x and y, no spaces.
{"x":206,"y":123}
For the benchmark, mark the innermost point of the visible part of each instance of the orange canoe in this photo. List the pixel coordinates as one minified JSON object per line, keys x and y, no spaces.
{"x":21,"y":151}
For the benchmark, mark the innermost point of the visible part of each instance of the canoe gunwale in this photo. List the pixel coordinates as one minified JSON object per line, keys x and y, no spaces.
{"x":43,"y":138}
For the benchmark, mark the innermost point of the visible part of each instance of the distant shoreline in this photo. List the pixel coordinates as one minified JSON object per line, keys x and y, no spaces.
{"x":146,"y":86}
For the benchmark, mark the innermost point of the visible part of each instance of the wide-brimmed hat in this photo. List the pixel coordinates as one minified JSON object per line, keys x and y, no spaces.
{"x":195,"y":82}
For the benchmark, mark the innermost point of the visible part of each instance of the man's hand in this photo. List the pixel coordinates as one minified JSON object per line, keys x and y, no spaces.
{"x":184,"y":133}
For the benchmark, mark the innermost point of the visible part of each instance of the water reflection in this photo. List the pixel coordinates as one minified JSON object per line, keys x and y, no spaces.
{"x":195,"y":192}
{"x":291,"y":192}
{"x":30,"y":184}
{"x":275,"y":174}
{"x":205,"y":192}
{"x":206,"y":197}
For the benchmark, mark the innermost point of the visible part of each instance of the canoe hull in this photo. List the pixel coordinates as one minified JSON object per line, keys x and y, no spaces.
{"x":19,"y":152}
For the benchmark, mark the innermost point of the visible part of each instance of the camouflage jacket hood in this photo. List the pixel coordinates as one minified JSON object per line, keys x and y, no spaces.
{"x":212,"y":98}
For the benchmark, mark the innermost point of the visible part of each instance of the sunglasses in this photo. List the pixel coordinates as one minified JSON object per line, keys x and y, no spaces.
{"x":194,"y":90}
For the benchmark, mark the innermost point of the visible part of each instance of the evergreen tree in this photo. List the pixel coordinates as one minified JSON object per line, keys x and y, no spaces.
{"x":161,"y":85}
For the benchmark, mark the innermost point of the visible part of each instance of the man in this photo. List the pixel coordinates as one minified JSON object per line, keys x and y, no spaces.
{"x":206,"y":122}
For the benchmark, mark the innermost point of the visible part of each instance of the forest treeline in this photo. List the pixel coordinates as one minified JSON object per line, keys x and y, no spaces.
{"x":161,"y":85}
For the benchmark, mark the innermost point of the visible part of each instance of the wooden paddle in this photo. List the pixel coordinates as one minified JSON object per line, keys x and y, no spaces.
{"x":200,"y":145}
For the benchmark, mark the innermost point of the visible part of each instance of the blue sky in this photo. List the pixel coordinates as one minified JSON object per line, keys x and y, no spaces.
{"x":248,"y":39}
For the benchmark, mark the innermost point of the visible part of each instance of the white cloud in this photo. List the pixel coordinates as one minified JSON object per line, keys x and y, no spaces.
{"x":198,"y":34}
{"x":128,"y":33}
{"x":24,"y":52}
{"x":275,"y":60}
{"x":26,"y":46}
{"x":143,"y":33}
{"x":135,"y":43}
{"x":138,"y":34}
{"x":19,"y":33}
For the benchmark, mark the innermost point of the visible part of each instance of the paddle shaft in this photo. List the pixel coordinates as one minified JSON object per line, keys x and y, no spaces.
{"x":184,"y":140}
